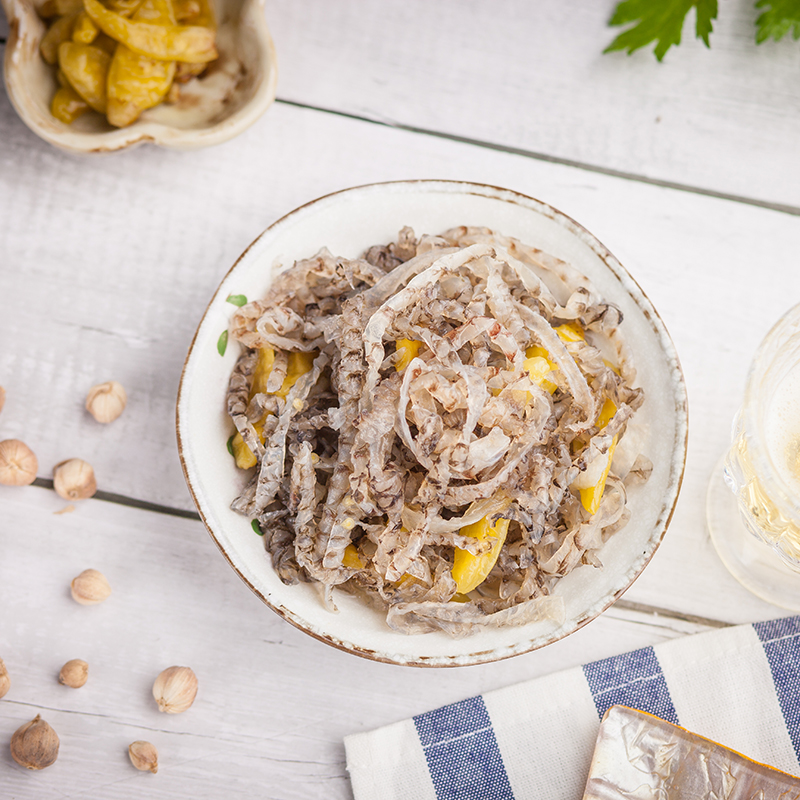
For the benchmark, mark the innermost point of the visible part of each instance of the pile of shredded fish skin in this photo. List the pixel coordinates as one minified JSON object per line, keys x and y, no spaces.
{"x":417,"y":417}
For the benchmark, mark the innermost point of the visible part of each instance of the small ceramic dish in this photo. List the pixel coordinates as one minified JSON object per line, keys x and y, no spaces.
{"x":234,"y":92}
{"x":347,"y":223}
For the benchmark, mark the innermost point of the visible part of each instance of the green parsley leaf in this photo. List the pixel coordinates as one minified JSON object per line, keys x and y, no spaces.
{"x":256,"y":527}
{"x":222,"y":343}
{"x":236,"y":300}
{"x":780,"y":17}
{"x":230,"y":445}
{"x":660,"y":21}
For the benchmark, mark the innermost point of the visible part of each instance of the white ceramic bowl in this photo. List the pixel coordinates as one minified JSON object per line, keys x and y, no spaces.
{"x":347,"y":223}
{"x":236,"y":91}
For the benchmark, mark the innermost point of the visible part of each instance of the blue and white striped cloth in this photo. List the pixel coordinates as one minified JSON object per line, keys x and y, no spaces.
{"x":739,"y":686}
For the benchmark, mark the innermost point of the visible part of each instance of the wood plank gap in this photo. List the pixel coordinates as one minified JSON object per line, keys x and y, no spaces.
{"x":120,"y":722}
{"x":630,"y":176}
{"x":643,"y":608}
{"x":131,"y":502}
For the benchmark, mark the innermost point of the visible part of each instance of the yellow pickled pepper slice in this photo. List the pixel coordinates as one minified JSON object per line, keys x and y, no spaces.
{"x":410,"y":348}
{"x":469,"y":571}
{"x":125,"y":8}
{"x":570,"y":332}
{"x":206,"y":16}
{"x":351,"y":558}
{"x":242,"y":454}
{"x":538,"y":365}
{"x":85,"y":31}
{"x":60,"y":31}
{"x":52,"y":8}
{"x":186,"y":10}
{"x":193,"y":12}
{"x":137,"y":82}
{"x":196,"y":12}
{"x":593,"y":494}
{"x":68,"y":105}
{"x":537,"y":360}
{"x":264,"y":362}
{"x":165,"y":43}
{"x":298,"y":364}
{"x":606,"y":413}
{"x":406,"y":579}
{"x":86,"y":69}
{"x":105,"y":43}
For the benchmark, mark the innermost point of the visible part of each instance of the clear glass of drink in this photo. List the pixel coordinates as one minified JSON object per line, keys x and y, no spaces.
{"x":753,"y":509}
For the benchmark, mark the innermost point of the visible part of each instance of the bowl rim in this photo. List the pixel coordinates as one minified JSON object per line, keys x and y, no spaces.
{"x":678,"y":450}
{"x":21,"y":12}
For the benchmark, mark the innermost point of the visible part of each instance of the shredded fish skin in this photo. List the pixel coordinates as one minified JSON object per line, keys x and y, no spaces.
{"x":457,"y":379}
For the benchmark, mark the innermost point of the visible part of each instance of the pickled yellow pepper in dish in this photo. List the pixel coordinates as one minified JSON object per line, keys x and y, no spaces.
{"x":469,"y":571}
{"x":60,"y":8}
{"x":137,"y":82}
{"x":121,"y":57}
{"x":592,"y":483}
{"x":60,"y":31}
{"x":68,"y":105}
{"x":86,"y":69}
{"x":298,"y":364}
{"x":167,"y":43}
{"x":85,"y":31}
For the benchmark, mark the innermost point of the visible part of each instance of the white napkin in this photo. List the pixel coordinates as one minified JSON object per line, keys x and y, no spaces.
{"x":739,"y":686}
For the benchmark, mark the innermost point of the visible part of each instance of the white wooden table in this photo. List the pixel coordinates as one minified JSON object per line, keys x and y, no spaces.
{"x":689,"y":171}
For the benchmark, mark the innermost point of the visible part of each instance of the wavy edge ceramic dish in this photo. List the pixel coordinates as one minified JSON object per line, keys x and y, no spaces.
{"x":347,"y":222}
{"x":237,"y":90}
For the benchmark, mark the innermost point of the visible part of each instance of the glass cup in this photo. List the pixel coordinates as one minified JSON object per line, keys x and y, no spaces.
{"x":753,"y":508}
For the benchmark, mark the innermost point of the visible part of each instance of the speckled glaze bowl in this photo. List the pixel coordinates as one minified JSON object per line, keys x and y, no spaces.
{"x":235,"y":91}
{"x":347,"y":223}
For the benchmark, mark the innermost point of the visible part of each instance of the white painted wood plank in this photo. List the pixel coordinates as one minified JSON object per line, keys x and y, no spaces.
{"x":273,"y":704}
{"x":533,"y":76}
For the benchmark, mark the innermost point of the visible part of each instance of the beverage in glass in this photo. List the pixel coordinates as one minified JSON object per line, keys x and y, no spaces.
{"x":762,"y":469}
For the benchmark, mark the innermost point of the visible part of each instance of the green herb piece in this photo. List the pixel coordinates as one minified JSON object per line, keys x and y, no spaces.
{"x":236,"y":300}
{"x":780,"y":17}
{"x":660,"y":21}
{"x":230,"y":445}
{"x":256,"y":527}
{"x":222,"y":343}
